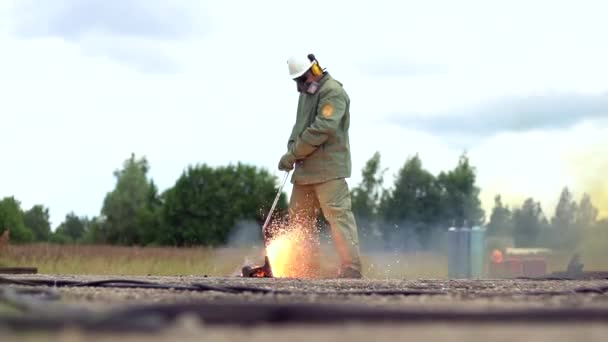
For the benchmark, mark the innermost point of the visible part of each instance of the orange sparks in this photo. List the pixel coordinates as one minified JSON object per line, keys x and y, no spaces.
{"x":290,"y":255}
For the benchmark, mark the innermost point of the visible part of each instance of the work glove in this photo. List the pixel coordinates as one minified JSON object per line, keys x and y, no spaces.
{"x":287,"y":161}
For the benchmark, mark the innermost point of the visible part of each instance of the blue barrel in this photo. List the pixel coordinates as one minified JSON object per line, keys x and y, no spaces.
{"x":464,"y":252}
{"x":477,"y":252}
{"x":453,"y":239}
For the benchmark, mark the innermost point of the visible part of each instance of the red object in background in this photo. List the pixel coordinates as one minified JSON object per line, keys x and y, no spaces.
{"x":497,"y":256}
{"x":513,"y":267}
{"x":534,"y":267}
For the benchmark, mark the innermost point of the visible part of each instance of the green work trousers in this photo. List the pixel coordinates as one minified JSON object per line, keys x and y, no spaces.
{"x":333,"y":199}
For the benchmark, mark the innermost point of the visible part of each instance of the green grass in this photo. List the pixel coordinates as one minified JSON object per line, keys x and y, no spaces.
{"x":115,"y":260}
{"x":168,"y":261}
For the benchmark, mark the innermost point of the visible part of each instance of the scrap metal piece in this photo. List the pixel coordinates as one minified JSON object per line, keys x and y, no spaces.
{"x":263,"y":271}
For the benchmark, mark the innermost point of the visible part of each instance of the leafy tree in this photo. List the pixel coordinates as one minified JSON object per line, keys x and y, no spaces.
{"x":501,"y":220}
{"x":149,"y":217}
{"x":72,"y":229}
{"x":59,"y":237}
{"x":413,"y":203}
{"x":38,"y":221}
{"x":586,"y":215}
{"x":594,"y":240}
{"x":11,"y":218}
{"x":366,"y":197}
{"x":128,"y":215}
{"x":565,"y":212}
{"x":205,"y":203}
{"x":565,"y":233}
{"x":94,"y":233}
{"x":528,"y":223}
{"x":460,"y":196}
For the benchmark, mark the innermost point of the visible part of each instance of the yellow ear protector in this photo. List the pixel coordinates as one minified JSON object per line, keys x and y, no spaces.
{"x":315,"y":68}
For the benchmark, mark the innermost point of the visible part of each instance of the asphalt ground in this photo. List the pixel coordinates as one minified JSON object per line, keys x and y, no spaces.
{"x":230,"y":309}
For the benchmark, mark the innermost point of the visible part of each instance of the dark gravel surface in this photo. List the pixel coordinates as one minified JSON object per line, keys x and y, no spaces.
{"x":461,"y":293}
{"x":411,"y":294}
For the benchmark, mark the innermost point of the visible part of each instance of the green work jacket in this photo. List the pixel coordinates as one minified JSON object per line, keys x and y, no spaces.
{"x":319,"y":138}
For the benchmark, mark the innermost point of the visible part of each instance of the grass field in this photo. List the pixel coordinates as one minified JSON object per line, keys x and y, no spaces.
{"x":115,"y":260}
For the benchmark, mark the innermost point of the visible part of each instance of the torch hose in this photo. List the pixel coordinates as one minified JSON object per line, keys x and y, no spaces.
{"x":274,"y":204}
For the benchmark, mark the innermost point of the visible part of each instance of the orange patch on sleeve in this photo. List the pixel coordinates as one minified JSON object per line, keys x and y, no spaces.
{"x":327,"y":110}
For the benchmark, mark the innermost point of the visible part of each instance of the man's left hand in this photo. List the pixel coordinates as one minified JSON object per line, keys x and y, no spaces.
{"x":287,"y":161}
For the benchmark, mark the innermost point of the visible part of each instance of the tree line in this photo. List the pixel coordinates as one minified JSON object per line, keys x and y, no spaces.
{"x":201,"y":208}
{"x":206,"y":203}
{"x":419,"y":207}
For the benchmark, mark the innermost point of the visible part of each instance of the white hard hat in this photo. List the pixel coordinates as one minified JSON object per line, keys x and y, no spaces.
{"x":298,"y":66}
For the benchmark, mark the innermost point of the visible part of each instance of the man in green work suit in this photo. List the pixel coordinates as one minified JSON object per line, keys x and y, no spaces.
{"x":319,"y":147}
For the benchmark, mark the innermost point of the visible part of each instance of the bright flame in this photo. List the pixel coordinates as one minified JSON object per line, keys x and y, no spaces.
{"x":290,"y":255}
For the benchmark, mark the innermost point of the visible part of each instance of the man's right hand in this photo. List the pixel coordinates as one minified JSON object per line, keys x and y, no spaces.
{"x":287,"y":161}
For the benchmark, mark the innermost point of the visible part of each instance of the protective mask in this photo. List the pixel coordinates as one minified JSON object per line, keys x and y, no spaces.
{"x":309,"y":88}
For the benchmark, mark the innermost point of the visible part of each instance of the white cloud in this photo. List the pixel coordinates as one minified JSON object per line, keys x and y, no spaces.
{"x":73,"y":19}
{"x":517,"y":114}
{"x":136,"y":32}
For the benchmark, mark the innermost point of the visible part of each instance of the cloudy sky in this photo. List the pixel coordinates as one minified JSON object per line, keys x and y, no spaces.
{"x":521,"y":85}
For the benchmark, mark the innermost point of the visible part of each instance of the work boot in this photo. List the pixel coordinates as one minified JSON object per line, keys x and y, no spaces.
{"x":349,"y":273}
